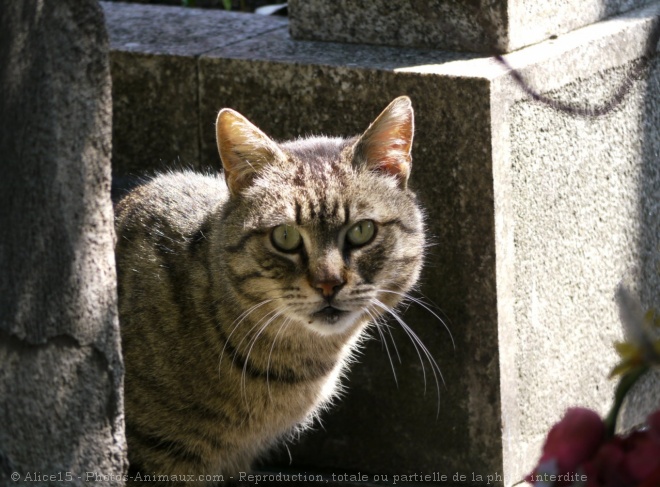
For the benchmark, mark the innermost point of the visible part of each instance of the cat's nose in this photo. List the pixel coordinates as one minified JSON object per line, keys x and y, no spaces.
{"x":329,"y":287}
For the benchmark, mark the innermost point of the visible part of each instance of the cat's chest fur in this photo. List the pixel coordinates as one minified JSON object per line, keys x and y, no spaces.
{"x":241,"y":298}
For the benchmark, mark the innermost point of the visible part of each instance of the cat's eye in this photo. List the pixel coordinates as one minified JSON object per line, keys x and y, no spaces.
{"x":286,"y":238}
{"x":361,"y":233}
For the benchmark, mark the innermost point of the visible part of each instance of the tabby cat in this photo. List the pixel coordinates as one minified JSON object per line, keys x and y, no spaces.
{"x":241,"y":298}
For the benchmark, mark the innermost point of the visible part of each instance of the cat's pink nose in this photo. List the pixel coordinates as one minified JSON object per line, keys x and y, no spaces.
{"x":329,"y":287}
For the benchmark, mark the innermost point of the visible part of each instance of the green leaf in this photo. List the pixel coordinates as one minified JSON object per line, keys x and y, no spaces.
{"x":227,"y":4}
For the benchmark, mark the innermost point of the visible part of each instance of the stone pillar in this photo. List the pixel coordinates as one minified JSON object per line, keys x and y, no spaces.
{"x":60,"y":364}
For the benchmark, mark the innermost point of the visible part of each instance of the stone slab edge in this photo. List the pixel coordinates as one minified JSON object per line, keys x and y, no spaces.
{"x":154,"y":52}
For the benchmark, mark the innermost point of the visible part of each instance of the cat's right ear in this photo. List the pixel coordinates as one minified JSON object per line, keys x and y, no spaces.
{"x":243,"y":148}
{"x":385,"y":146}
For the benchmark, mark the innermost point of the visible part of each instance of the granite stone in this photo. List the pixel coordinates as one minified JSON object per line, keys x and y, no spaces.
{"x":485,"y":26}
{"x":577,"y":213}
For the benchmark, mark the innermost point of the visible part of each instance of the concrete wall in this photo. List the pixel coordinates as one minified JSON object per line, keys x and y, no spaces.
{"x":536,"y":216}
{"x":60,"y":365}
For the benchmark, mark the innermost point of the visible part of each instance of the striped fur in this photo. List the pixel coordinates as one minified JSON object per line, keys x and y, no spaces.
{"x":225,"y":347}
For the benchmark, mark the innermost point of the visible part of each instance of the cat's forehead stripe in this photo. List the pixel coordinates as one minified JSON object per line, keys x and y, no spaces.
{"x":328,"y":211}
{"x":320,"y":172}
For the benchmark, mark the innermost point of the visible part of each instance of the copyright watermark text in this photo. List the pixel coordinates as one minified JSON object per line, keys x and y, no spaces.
{"x":66,"y":477}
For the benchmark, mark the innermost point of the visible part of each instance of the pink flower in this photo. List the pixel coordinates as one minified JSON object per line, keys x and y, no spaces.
{"x":607,"y":469}
{"x":570,"y":443}
{"x":631,"y":461}
{"x":643,"y":459}
{"x":654,"y":425}
{"x":577,"y":446}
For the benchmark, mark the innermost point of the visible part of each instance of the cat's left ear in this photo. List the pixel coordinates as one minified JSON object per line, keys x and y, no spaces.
{"x":386,"y":144}
{"x":244,"y":149}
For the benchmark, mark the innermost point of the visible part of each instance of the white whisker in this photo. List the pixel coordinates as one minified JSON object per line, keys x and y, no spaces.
{"x":389,"y":331}
{"x":236,"y":323}
{"x":384,"y":342}
{"x":285,"y":324}
{"x":424,"y":305}
{"x":276,"y":313}
{"x":404,"y":326}
{"x":435,"y":368}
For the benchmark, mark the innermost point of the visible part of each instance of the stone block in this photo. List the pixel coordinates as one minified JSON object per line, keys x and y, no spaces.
{"x":535,"y":216}
{"x":153,"y":97}
{"x":577,"y":213}
{"x":477,"y":26}
{"x":61,"y":378}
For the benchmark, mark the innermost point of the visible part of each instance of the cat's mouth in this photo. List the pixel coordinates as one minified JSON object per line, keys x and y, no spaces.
{"x":329,"y":314}
{"x":330,"y":320}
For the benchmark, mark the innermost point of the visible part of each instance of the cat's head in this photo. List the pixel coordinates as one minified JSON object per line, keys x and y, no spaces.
{"x":323,"y":232}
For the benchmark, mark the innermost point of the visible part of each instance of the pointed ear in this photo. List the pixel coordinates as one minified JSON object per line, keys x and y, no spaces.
{"x":386,"y":144}
{"x":243,"y":148}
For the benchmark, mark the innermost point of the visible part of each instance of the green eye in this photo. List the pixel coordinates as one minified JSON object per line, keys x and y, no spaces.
{"x":286,"y":238}
{"x":361,"y":233}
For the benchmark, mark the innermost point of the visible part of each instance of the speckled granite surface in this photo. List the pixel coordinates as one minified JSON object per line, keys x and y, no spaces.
{"x":485,"y":26}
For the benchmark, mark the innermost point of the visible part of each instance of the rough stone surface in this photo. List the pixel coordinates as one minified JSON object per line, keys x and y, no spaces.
{"x":286,"y":73}
{"x":164,"y":131}
{"x":585,"y":202}
{"x":447,"y":24}
{"x":531,"y":238}
{"x":577,"y":213}
{"x":531,"y":21}
{"x":643,"y":400}
{"x":478,"y":26}
{"x":61,"y":373}
{"x":177,"y":31}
